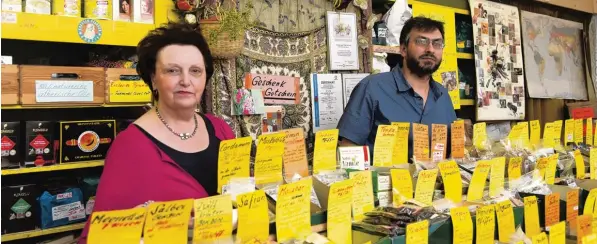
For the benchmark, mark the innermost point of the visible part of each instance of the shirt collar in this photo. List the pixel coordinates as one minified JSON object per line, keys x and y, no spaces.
{"x":403,"y":85}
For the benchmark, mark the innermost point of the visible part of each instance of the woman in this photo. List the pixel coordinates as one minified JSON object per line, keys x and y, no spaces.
{"x":170,"y":152}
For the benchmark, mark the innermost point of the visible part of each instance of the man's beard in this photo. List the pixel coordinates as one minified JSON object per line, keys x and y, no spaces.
{"x":413,"y":65}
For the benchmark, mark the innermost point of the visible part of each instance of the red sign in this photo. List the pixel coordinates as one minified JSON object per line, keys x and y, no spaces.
{"x":582,"y":113}
{"x":39,"y":142}
{"x":7,"y":143}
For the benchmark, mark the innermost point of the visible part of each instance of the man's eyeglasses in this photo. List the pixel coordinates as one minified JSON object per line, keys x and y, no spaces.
{"x":424,"y":42}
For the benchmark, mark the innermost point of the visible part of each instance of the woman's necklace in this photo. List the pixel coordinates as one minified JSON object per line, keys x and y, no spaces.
{"x":183,"y":136}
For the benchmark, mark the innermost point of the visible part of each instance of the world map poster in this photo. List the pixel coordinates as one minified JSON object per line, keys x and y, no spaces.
{"x":554,"y":62}
{"x":498,"y":61}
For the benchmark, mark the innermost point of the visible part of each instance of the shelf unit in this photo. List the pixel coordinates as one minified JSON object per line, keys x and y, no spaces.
{"x":14,"y":107}
{"x":36,"y":233}
{"x":63,"y":166}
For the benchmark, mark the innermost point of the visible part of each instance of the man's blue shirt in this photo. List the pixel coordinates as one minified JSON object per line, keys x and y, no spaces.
{"x":387,"y":97}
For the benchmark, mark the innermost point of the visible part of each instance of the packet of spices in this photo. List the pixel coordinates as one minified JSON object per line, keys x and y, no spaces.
{"x":39,"y":138}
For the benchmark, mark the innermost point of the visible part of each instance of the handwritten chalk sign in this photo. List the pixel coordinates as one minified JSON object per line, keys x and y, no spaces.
{"x":234,"y":160}
{"x":276,"y":89}
{"x":167,"y":222}
{"x":119,"y":226}
{"x":125,"y":91}
{"x":213,"y":219}
{"x":48,"y":91}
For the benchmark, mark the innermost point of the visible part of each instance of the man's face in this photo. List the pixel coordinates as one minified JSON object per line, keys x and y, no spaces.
{"x":423,"y":52}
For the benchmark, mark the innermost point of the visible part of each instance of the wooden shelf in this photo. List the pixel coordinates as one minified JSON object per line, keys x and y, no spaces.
{"x":465,"y":56}
{"x":64,"y":166}
{"x":36,"y":233}
{"x":467,"y":102}
{"x":73,"y":106}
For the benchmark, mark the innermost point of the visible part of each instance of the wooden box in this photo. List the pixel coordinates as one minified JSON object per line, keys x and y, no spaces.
{"x":124,"y":86}
{"x":52,"y":85}
{"x":10,"y":84}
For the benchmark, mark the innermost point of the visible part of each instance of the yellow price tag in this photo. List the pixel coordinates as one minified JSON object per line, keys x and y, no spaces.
{"x":118,"y":226}
{"x":324,"y":153}
{"x":339,"y":220}
{"x":168,"y":222}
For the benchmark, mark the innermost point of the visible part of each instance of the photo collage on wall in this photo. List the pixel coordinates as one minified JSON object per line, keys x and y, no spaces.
{"x":498,"y":61}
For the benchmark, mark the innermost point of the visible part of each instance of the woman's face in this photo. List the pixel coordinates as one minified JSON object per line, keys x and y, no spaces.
{"x":180,"y":76}
{"x":126,"y":8}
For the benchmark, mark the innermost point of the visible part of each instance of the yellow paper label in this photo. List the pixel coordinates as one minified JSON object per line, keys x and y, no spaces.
{"x":402,"y":186}
{"x":589,"y":132}
{"x":540,"y":238}
{"x":425,"y":186}
{"x":550,"y":172}
{"x":548,"y":135}
{"x":295,"y":153}
{"x":557,"y":133}
{"x":590,"y":239}
{"x":213,"y":219}
{"x":135,"y":91}
{"x":421,"y":142}
{"x":485,"y":220}
{"x":234,"y":160}
{"x":268,"y":159}
{"x":531,"y":216}
{"x":593,"y":163}
{"x":524,"y":134}
{"x":514,"y":168}
{"x":569,"y":131}
{"x":118,"y":226}
{"x":535,"y":132}
{"x":324,"y":154}
{"x":496,"y":182}
{"x":590,"y":202}
{"x":572,"y":198}
{"x":400,"y":153}
{"x":439,"y":139}
{"x":477,"y":185}
{"x":452,"y":180}
{"x":505,"y":216}
{"x":557,"y":233}
{"x":383,"y":148}
{"x":552,"y":209}
{"x":253,"y":219}
{"x":542,"y":166}
{"x":293,"y":210}
{"x":462,"y":225}
{"x":580,"y":165}
{"x":515,"y":135}
{"x":480,"y":135}
{"x":579,"y":131}
{"x":168,"y":222}
{"x":457,"y":139}
{"x":583,"y":227}
{"x":339,"y":212}
{"x":362,"y":194}
{"x":417,"y":233}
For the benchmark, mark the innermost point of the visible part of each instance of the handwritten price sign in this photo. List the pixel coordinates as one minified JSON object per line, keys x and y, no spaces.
{"x":213,"y":219}
{"x":168,"y":222}
{"x":120,"y":226}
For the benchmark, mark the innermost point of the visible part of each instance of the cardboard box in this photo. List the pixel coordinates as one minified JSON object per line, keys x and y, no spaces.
{"x":20,"y":209}
{"x":86,"y":140}
{"x":12,"y":150}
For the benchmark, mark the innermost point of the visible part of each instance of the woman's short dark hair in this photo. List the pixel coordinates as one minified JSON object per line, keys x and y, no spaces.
{"x":170,"y":34}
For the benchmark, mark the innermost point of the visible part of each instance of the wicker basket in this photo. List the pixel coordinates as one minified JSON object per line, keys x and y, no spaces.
{"x":223,"y":48}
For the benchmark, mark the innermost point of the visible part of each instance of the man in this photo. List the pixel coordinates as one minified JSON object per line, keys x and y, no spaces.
{"x":405,"y":94}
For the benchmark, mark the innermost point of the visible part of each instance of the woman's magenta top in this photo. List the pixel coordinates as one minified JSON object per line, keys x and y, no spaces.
{"x":137,"y":171}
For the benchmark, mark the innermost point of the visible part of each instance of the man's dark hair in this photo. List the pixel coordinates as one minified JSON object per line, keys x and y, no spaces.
{"x":421,"y":24}
{"x":170,"y":34}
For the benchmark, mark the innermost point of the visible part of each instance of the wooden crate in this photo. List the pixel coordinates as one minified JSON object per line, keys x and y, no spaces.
{"x":122,"y":76}
{"x":30,"y":74}
{"x":10,"y":84}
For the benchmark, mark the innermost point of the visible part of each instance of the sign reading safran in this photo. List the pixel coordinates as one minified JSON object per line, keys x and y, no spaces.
{"x":276,"y":89}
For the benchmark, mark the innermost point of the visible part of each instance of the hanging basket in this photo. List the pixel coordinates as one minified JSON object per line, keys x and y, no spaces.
{"x":223,"y":47}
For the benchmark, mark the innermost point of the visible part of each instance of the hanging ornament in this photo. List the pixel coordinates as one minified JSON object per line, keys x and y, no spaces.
{"x":363,"y":42}
{"x":361,"y":4}
{"x":190,"y":18}
{"x":183,"y":5}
